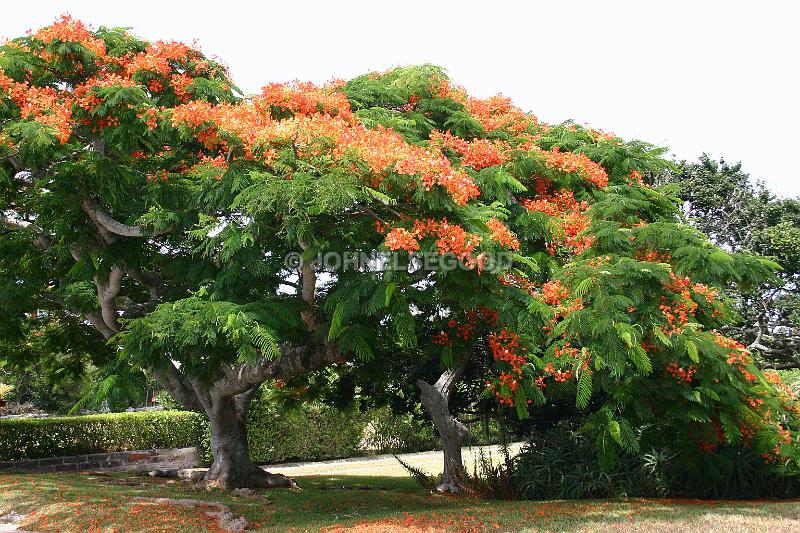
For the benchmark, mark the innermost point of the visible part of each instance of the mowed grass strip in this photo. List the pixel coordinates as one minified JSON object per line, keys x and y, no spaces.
{"x":69,"y":502}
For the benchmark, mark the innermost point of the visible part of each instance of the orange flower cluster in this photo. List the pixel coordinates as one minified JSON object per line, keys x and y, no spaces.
{"x":738,"y":355}
{"x":493,"y":113}
{"x":483,"y":315}
{"x":558,"y":375}
{"x":684,"y":375}
{"x":555,"y":205}
{"x":149,"y":117}
{"x":575,"y":162}
{"x":305,"y":98}
{"x":433,"y":168}
{"x":85,"y":94}
{"x":652,"y":256}
{"x":383,"y":150}
{"x":567,"y":351}
{"x":505,"y":347}
{"x":709,"y":293}
{"x":775,"y":379}
{"x":442,"y":339}
{"x":452,"y":238}
{"x":466,"y":331}
{"x":559,"y":298}
{"x":477,"y":154}
{"x":563,"y":205}
{"x":553,"y":293}
{"x":774,"y":455}
{"x":635,"y":177}
{"x":66,"y":107}
{"x":502,"y":235}
{"x":711,"y":436}
{"x":68,"y":30}
{"x":180,"y":83}
{"x":42,"y":104}
{"x":678,"y":311}
{"x":200,"y":112}
{"x":162,"y":176}
{"x":158,"y":56}
{"x":401,"y":239}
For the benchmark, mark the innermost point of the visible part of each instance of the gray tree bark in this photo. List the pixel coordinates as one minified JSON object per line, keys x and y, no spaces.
{"x":232,"y":467}
{"x":435,"y":398}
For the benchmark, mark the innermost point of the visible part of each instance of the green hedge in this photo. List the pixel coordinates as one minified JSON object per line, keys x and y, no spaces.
{"x":33,"y":438}
{"x":387,"y":432}
{"x":312,"y":432}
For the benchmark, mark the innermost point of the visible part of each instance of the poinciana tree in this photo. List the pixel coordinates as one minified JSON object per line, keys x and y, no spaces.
{"x":608,"y":291}
{"x":219,"y":242}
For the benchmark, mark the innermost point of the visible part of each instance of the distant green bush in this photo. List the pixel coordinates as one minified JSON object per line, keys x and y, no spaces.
{"x":33,"y":438}
{"x":561,"y":463}
{"x":387,"y":432}
{"x":311,"y":432}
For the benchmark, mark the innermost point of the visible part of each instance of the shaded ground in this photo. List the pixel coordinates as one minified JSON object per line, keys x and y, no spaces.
{"x":387,"y":465}
{"x":71,"y":502}
{"x":381,"y":465}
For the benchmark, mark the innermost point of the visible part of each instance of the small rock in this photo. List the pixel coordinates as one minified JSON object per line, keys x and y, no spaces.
{"x":11,"y":518}
{"x":191,"y":474}
{"x":229,"y":522}
{"x":244,"y":492}
{"x":173,"y":473}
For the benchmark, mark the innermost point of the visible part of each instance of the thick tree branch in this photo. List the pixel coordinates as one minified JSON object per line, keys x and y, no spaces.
{"x":155,"y":286}
{"x":42,"y":241}
{"x":171,"y":380}
{"x":96,"y":320}
{"x":16,"y":163}
{"x":242,"y":401}
{"x":106,"y":235}
{"x":294,"y":361}
{"x":308,"y":279}
{"x":14,"y":223}
{"x":780,"y":366}
{"x":107,"y":291}
{"x":445,"y":384}
{"x":366,"y":210}
{"x":107,"y":222}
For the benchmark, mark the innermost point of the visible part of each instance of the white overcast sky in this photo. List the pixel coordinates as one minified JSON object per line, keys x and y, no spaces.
{"x":720,"y":77}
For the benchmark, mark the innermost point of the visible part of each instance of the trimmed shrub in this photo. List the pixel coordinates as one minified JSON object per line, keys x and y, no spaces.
{"x":387,"y":432}
{"x":34,"y":438}
{"x":311,"y":432}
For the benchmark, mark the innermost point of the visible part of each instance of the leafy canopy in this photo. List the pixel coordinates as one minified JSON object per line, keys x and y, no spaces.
{"x":134,"y":170}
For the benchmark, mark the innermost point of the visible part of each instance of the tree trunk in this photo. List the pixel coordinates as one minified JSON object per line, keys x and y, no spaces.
{"x":435,"y":399}
{"x":232,"y":467}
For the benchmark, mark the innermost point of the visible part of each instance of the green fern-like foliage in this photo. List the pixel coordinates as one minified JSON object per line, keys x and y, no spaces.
{"x":149,"y":201}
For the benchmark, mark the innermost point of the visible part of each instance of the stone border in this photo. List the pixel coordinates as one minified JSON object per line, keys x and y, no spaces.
{"x":129,"y":460}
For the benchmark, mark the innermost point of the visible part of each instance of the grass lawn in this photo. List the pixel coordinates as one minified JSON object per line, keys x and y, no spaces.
{"x":70,"y":502}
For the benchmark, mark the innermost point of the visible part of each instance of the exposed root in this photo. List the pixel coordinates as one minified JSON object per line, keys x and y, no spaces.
{"x":226,"y":520}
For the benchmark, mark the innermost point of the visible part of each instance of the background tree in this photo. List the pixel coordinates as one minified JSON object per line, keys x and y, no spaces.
{"x":55,"y":361}
{"x":601,"y":270}
{"x":740,"y":214}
